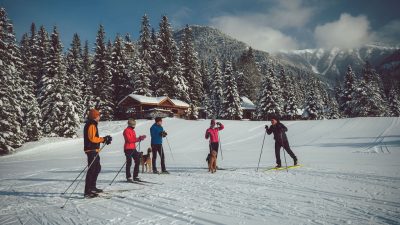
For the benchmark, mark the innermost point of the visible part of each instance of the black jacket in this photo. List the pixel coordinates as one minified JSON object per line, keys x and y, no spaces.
{"x":279,"y":132}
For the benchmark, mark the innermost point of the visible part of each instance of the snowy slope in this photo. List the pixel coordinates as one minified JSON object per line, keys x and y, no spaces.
{"x":350,"y":176}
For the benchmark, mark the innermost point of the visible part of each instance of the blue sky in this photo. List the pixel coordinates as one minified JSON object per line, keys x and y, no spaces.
{"x":269,"y":25}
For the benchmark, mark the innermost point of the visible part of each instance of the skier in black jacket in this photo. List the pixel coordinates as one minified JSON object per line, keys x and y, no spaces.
{"x":280,"y":140}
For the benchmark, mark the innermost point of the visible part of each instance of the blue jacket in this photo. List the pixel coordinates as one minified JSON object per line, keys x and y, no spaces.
{"x":156,"y":137}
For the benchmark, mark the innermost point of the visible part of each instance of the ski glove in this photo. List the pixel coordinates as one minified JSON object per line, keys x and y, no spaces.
{"x":142,"y":137}
{"x":163,"y":134}
{"x":219,"y":124}
{"x":107,"y":139}
{"x":266,"y":127}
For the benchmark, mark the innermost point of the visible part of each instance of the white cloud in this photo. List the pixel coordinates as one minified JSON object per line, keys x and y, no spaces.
{"x":259,"y":37}
{"x":264,"y":30}
{"x":347,"y":32}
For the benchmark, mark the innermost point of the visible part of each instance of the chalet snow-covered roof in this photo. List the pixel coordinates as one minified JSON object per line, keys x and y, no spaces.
{"x":247,"y":103}
{"x":154,"y":100}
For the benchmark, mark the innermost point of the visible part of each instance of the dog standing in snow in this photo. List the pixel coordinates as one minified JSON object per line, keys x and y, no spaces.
{"x":212,"y":162}
{"x":145,"y":161}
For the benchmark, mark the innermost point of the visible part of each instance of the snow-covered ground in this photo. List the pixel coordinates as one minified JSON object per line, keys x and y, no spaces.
{"x":351,"y":175}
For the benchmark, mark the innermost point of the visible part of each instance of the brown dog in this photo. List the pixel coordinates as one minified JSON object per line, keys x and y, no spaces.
{"x":212,"y":162}
{"x":145,"y":161}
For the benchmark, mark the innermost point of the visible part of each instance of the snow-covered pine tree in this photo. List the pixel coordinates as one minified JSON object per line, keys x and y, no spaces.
{"x":102,"y":78}
{"x":153,"y":65}
{"x":313,"y":107}
{"x":119,"y":71}
{"x":249,"y":78}
{"x":217,"y":95}
{"x":333,"y":109}
{"x":346,"y":97}
{"x":11,"y":113}
{"x":231,"y":106}
{"x":269,"y":100}
{"x":87,"y":88}
{"x":191,"y":71}
{"x":170,"y":81}
{"x":31,"y":123}
{"x":146,"y":43}
{"x":206,"y":100}
{"x":394,"y":102}
{"x":41,"y":55}
{"x":139,"y":71}
{"x":60,"y":116}
{"x":368,"y":98}
{"x":75,"y":77}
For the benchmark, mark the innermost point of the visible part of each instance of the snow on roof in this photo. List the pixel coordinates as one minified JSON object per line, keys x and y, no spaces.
{"x":247,"y":103}
{"x":154,"y":100}
{"x":179,"y":103}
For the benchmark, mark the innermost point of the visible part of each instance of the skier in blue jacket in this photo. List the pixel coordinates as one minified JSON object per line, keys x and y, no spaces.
{"x":157,"y":133}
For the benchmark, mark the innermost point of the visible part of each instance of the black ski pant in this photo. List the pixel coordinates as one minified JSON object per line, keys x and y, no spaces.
{"x":285,"y":145}
{"x":93,"y":171}
{"x":129,"y":154}
{"x":214,"y":146}
{"x":158,"y":148}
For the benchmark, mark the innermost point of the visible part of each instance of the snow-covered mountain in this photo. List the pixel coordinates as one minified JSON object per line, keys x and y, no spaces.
{"x":210,"y":42}
{"x":329,"y":64}
{"x":332,"y":63}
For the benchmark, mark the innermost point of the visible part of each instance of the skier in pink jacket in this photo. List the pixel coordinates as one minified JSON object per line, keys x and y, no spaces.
{"x":212,"y":134}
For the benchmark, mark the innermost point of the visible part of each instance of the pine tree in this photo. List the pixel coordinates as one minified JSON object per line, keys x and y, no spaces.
{"x":191,"y":71}
{"x":75,"y":74}
{"x":146,"y":43}
{"x":119,"y":71}
{"x":153,"y":65}
{"x":313,"y":107}
{"x":231,"y":106}
{"x":269,"y":100}
{"x":11,"y":113}
{"x":346,"y":97}
{"x":170,"y":81}
{"x":60,"y":116}
{"x":102,"y":77}
{"x":368,"y":98}
{"x":288,"y":96}
{"x":31,"y":123}
{"x":41,"y":54}
{"x":394,"y":102}
{"x":207,"y":87}
{"x":250,"y":76}
{"x":217,"y":97}
{"x":333,"y":109}
{"x":87,"y":87}
{"x":139,"y":71}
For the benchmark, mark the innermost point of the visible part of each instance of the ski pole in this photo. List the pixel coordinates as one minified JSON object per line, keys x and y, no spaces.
{"x":220,"y":147}
{"x":262,"y":147}
{"x":80,"y":180}
{"x":82,"y":172}
{"x":284,"y":154}
{"x":119,"y":171}
{"x":169,"y":146}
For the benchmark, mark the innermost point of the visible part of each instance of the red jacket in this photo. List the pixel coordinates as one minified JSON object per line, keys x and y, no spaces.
{"x":130,"y":138}
{"x":213,"y":133}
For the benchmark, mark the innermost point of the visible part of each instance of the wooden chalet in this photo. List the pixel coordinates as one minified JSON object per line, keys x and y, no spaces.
{"x":144,"y":107}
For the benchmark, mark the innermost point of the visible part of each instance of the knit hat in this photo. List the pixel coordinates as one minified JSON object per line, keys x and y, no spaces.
{"x":93,"y":114}
{"x":274,"y":117}
{"x":212,"y":122}
{"x":131,"y":122}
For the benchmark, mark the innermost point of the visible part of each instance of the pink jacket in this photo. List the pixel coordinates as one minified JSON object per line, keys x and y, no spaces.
{"x":213,"y":133}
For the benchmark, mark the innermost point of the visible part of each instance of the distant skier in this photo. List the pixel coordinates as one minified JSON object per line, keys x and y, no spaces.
{"x":212,"y":134}
{"x":157,"y":134}
{"x":280,"y":140}
{"x":92,"y":147}
{"x":130,"y":150}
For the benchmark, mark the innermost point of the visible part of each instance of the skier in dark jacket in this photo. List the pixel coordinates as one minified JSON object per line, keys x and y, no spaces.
{"x":92,"y":142}
{"x":281,"y":140}
{"x":157,"y":133}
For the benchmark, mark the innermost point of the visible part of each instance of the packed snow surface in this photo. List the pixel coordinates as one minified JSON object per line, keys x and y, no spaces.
{"x":350,"y":175}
